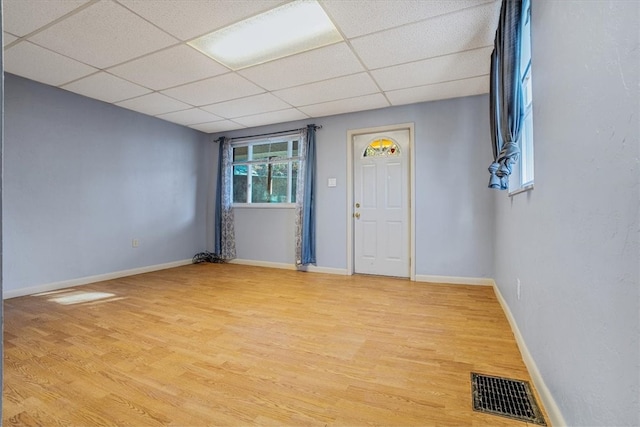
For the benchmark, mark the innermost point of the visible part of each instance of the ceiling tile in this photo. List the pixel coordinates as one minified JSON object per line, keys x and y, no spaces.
{"x":282,"y":116}
{"x":247,"y":106}
{"x":129,"y":52}
{"x":171,"y":67}
{"x":434,"y":37}
{"x":105,"y":87}
{"x":187,"y":20}
{"x":8,"y":38}
{"x":216,"y":89}
{"x":457,"y":66}
{"x":329,"y":90}
{"x":36,"y":63}
{"x":102,"y":35}
{"x":22,"y":17}
{"x":215,"y":127}
{"x":154,"y":104}
{"x":455,"y":89}
{"x":368,"y":102}
{"x":382,"y":15}
{"x":189,"y":117}
{"x":308,"y":67}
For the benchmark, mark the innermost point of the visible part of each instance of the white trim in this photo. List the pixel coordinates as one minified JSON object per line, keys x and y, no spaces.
{"x":286,"y":266}
{"x":349,"y":201}
{"x":526,"y":187}
{"x":13,"y":293}
{"x":550,"y":405}
{"x":412,"y":192}
{"x":242,"y":141}
{"x":412,"y":203}
{"x":275,"y":205}
{"x":327,"y":270}
{"x":268,"y":264}
{"x":453,"y":280}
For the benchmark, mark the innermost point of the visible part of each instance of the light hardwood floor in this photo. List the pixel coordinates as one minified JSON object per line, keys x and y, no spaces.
{"x":235,"y":345}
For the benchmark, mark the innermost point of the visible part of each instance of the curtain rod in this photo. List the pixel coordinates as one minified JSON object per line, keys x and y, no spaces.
{"x":267,"y":134}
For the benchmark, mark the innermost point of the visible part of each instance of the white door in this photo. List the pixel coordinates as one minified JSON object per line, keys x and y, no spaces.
{"x":381,"y":203}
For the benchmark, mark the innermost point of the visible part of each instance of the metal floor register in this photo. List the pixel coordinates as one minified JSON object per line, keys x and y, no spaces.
{"x":505,"y":397}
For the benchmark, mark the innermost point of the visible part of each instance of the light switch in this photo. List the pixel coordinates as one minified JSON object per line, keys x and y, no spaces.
{"x":331,"y":182}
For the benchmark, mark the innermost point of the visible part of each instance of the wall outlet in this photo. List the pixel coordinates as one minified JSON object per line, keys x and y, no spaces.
{"x":135,"y":243}
{"x":518,"y":288}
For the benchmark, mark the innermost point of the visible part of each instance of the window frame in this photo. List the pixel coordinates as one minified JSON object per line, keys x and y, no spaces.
{"x":523,"y":177}
{"x":290,"y":159}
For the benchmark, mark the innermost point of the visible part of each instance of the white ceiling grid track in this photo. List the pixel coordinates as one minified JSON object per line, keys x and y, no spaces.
{"x":134,"y":53}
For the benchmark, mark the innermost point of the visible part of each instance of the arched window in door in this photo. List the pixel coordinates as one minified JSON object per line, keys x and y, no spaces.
{"x":382,"y":147}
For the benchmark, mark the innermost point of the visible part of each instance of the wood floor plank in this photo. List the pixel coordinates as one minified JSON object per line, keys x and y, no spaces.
{"x":221,"y":344}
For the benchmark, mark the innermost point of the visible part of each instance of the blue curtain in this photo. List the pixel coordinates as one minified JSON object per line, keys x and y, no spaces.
{"x":506,"y":101}
{"x":305,"y":199}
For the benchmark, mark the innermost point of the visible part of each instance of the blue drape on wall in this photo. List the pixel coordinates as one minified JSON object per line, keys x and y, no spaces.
{"x":308,"y":255}
{"x":506,"y":101}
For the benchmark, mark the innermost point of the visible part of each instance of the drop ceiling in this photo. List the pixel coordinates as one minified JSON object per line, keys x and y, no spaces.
{"x":134,"y":54}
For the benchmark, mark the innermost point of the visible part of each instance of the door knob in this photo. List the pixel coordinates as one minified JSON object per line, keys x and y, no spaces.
{"x":356,"y":215}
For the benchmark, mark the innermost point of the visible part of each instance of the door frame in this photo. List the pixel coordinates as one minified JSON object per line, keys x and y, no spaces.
{"x":411,"y":193}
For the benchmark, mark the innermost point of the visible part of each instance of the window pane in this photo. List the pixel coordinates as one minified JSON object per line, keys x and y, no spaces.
{"x":261,"y":151}
{"x":279,"y":149}
{"x":240,"y":184}
{"x":527,"y":90}
{"x":259,"y":187}
{"x":266,"y":151}
{"x":525,"y":43}
{"x":279,"y":183}
{"x":240,"y":154}
{"x":269,"y":183}
{"x":527,"y":150}
{"x":294,"y":149}
{"x":526,"y":143}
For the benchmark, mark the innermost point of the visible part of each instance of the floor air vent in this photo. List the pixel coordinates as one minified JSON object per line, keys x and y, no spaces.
{"x":505,"y":397}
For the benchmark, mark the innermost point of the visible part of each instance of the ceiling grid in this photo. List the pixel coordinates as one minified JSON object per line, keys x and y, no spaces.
{"x":134,"y":54}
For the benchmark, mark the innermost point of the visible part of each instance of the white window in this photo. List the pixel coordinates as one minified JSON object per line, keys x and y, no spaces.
{"x":522,"y":177}
{"x":266,"y":171}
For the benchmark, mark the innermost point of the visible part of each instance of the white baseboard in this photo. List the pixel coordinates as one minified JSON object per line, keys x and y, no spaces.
{"x":452,"y":280}
{"x":13,"y":293}
{"x":550,"y":405}
{"x":286,"y":266}
{"x":268,"y":264}
{"x":327,"y":270}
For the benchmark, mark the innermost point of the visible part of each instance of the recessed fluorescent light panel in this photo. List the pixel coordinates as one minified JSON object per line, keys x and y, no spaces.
{"x":286,"y":30}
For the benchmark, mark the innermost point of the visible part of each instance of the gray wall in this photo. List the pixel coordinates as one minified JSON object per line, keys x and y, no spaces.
{"x":454,"y":208}
{"x":83,"y":178}
{"x":265,"y":234}
{"x":573,"y":240}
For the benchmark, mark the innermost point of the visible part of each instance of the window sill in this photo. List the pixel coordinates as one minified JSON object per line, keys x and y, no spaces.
{"x":264,"y":205}
{"x":523,"y":189}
